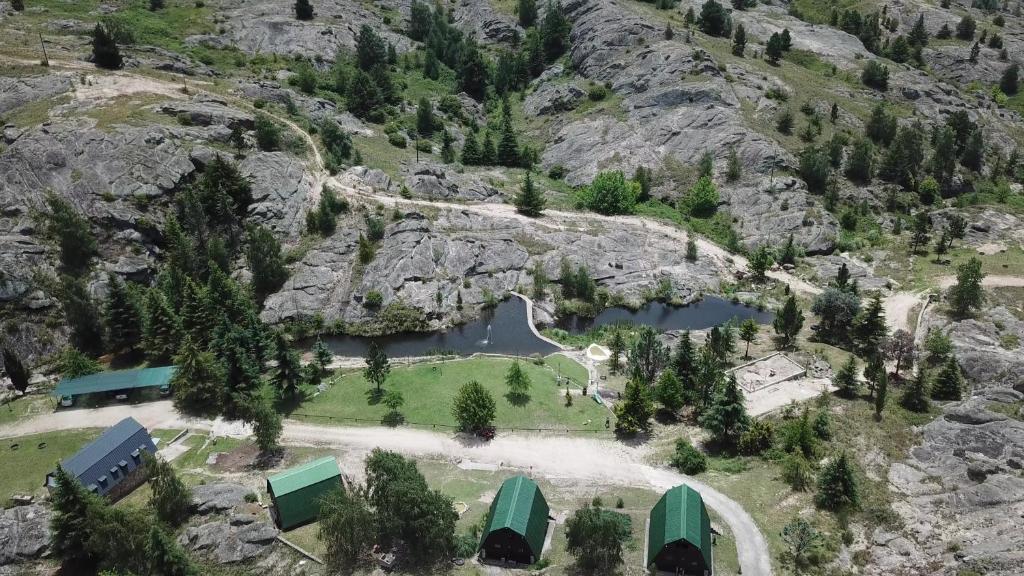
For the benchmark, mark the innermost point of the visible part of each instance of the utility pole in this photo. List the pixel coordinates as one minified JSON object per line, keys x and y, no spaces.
{"x":46,"y":59}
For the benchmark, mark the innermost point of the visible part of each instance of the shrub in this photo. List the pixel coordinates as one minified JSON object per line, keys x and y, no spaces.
{"x":597,"y":92}
{"x":688,"y":459}
{"x":373,"y":299}
{"x":757,"y":438}
{"x":875,"y":75}
{"x":609,"y":193}
{"x":397,"y":140}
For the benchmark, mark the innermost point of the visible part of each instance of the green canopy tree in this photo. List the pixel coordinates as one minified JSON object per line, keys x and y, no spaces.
{"x":346,"y":527}
{"x":81,"y":314}
{"x":869,"y":328}
{"x":266,"y":424}
{"x":594,"y":537}
{"x":377,"y":366}
{"x":72,"y":233}
{"x":70,"y":523}
{"x":748,"y":333}
{"x":617,"y":345}
{"x":473,"y":407}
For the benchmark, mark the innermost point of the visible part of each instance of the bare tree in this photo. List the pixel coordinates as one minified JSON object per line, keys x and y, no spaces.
{"x":901,"y":349}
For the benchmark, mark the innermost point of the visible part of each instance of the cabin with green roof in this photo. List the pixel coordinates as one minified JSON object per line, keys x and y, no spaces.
{"x":296,"y":493}
{"x":115,"y":381}
{"x":679,"y":534}
{"x":517,"y":524}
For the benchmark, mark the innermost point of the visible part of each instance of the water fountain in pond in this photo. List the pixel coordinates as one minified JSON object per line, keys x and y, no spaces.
{"x":483,"y":343}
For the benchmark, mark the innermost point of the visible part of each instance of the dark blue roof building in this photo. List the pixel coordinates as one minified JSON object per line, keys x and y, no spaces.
{"x":104,"y":465}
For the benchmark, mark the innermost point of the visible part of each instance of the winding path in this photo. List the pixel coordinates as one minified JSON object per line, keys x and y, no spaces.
{"x":552,"y":457}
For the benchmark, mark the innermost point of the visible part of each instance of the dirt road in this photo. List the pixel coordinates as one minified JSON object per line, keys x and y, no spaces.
{"x":553,"y":457}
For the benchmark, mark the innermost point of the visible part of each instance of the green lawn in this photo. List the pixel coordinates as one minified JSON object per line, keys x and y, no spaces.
{"x":429,"y":390}
{"x":25,"y":407}
{"x":24,"y":468}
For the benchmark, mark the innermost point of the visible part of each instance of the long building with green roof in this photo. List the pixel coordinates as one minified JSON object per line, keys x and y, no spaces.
{"x":517,"y":523}
{"x":679,"y":533}
{"x":296,"y":492}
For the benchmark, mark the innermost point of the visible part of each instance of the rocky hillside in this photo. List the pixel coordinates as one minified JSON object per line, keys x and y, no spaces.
{"x":835,"y":124}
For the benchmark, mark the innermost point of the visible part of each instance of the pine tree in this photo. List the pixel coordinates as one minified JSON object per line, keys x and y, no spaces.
{"x":748,"y":333}
{"x":16,"y":369}
{"x":488,"y":155}
{"x":974,"y":151}
{"x":869,"y":328}
{"x":919,"y":34}
{"x":915,"y":397}
{"x":161,"y":330}
{"x":846,"y":379}
{"x":881,"y":126}
{"x":774,"y":48}
{"x":684,"y":359}
{"x":288,"y":373}
{"x":920,"y":232}
{"x":787,"y":40}
{"x":165,"y":556}
{"x":617,"y":346}
{"x":555,"y":30}
{"x":967,"y":294}
{"x":527,"y":10}
{"x":529,"y":201}
{"x":81,"y":315}
{"x":788,"y":322}
{"x":447,"y":148}
{"x":303,"y":10}
{"x":518,"y":383}
{"x":508,"y":147}
{"x":949,"y":383}
{"x":860,"y":162}
{"x":714,"y":19}
{"x":739,"y":41}
{"x":471,"y":151}
{"x":263,"y":254}
{"x":881,"y":387}
{"x":123,"y":317}
{"x":1009,"y":83}
{"x":72,"y":232}
{"x":669,"y":392}
{"x":70,"y":524}
{"x":266,"y":424}
{"x":198,"y":381}
{"x":425,"y":120}
{"x":837,"y":485}
{"x":169,"y":497}
{"x":105,"y":53}
{"x":633,"y":413}
{"x":321,"y":355}
{"x":726,"y":417}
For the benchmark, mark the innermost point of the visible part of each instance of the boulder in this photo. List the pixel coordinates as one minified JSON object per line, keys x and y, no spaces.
{"x":218,"y":497}
{"x":486,"y":23}
{"x":24,"y":533}
{"x":16,"y":92}
{"x":552,"y":98}
{"x":229,"y":543}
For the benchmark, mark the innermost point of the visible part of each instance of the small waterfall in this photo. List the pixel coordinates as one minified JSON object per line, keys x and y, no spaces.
{"x":483,"y":343}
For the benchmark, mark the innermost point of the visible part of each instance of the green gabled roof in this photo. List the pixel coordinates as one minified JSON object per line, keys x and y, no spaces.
{"x":303,"y":476}
{"x":520,"y":507}
{"x":116,"y":380}
{"x":679,"y":515}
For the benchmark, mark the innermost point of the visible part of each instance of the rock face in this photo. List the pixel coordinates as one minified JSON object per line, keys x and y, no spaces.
{"x":963,"y":484}
{"x":316,"y":108}
{"x":15,"y":92}
{"x":218,"y":497}
{"x":767,"y":213}
{"x":270,"y":27}
{"x":437,"y":181}
{"x":229,"y":542}
{"x":24,"y":533}
{"x":552,"y":98}
{"x":833,"y":45}
{"x":486,"y":23}
{"x":471,"y":252}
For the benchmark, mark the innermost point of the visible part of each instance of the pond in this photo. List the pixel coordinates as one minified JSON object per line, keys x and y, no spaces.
{"x":701,"y":315}
{"x":504,"y":330}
